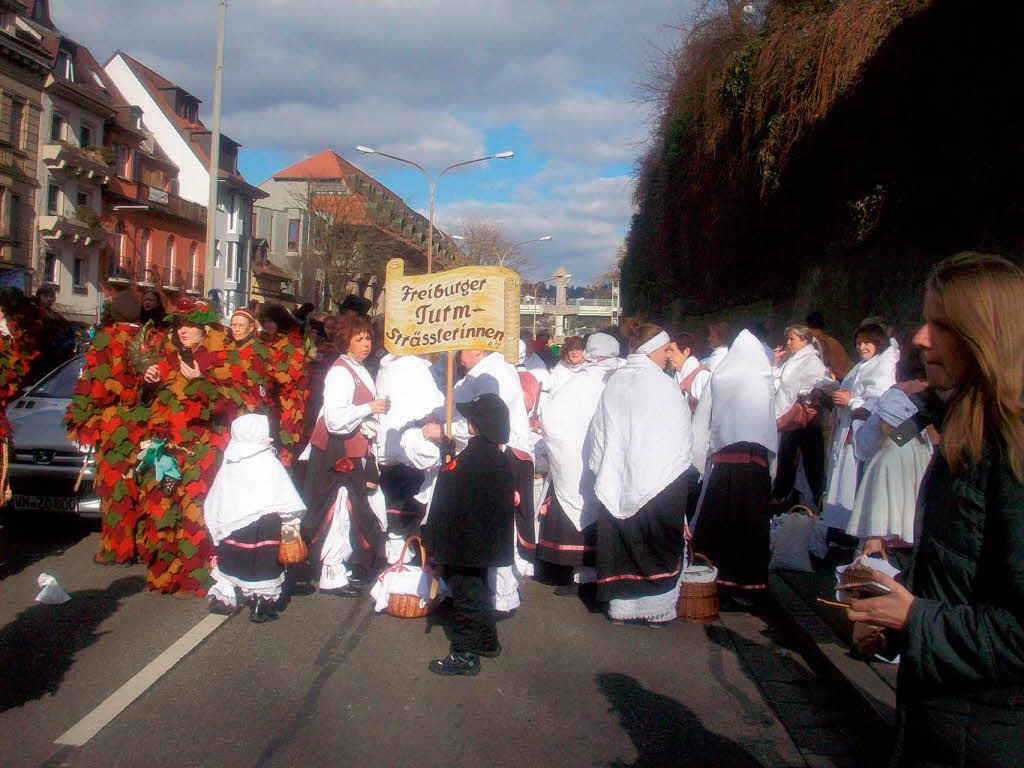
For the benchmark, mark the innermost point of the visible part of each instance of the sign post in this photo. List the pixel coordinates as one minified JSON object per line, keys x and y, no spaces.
{"x":464,"y":308}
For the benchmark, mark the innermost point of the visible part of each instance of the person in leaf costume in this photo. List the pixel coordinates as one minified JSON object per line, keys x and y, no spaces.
{"x":188,"y":418}
{"x":25,"y":329}
{"x":14,"y":366}
{"x":247,"y":367}
{"x":289,"y":379}
{"x":105,"y":415}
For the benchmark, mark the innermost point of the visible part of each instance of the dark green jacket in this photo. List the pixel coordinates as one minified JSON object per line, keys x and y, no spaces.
{"x":961,"y":680}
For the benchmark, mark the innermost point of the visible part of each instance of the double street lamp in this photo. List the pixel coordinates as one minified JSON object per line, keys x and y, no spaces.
{"x":503,"y":255}
{"x":432,"y":180}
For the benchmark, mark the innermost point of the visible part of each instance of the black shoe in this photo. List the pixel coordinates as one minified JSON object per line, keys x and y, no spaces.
{"x":456,"y":664}
{"x":567,"y":590}
{"x":220,"y":608}
{"x":349,"y":590}
{"x":261,"y":610}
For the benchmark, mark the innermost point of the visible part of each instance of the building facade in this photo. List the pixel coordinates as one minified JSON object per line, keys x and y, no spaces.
{"x":171,"y":114}
{"x":325,"y":193}
{"x":24,"y":64}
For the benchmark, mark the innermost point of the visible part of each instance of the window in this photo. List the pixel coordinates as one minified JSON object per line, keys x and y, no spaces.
{"x":50,"y":267}
{"x":169,"y":261}
{"x":193,"y":257}
{"x":123,"y":160}
{"x":78,"y":277}
{"x":98,"y":80}
{"x":233,"y":212}
{"x":38,"y":8}
{"x":119,"y":243}
{"x":65,"y":68}
{"x":144,"y":247}
{"x":53,"y":200}
{"x":85,"y":136}
{"x":231,"y":265}
{"x":174,"y":187}
{"x":56,"y":127}
{"x":17,"y":123}
{"x":83,"y":198}
{"x":5,"y":213}
{"x":216,"y":254}
{"x":293,"y":235}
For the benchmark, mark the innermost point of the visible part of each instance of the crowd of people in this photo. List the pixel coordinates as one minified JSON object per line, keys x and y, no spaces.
{"x":599,"y":468}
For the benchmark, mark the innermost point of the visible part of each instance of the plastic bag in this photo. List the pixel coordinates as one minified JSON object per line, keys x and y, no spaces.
{"x":789,"y":539}
{"x":51,"y":593}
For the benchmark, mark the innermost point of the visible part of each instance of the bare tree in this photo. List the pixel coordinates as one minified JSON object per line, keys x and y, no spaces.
{"x":346,"y":241}
{"x":484,"y":243}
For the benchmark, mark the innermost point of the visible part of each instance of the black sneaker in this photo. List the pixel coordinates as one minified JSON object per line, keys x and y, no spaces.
{"x":220,"y":608}
{"x":261,"y":610}
{"x":456,"y":664}
{"x":349,"y":590}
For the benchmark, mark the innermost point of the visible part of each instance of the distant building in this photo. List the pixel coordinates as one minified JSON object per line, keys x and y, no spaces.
{"x":24,"y":64}
{"x":171,"y":114}
{"x":335,"y":191}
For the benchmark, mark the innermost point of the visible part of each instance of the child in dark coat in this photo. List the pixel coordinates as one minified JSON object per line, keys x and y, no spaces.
{"x":470,"y":529}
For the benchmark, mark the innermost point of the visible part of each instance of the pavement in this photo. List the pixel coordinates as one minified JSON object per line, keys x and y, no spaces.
{"x":143,"y":679}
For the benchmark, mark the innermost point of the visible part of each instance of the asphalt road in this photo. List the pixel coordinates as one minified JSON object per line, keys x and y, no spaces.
{"x":331,"y":683}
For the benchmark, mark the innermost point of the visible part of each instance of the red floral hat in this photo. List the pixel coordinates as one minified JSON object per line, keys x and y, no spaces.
{"x":198,"y":311}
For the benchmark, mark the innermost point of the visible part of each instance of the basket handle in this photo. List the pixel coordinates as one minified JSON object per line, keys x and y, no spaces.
{"x":699,"y":556}
{"x":405,"y":547}
{"x":801,"y":508}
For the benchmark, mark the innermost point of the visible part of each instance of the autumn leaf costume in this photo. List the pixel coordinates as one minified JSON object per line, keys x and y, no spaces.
{"x":190,"y":415}
{"x":14,"y":364}
{"x":106,"y":415}
{"x":289,"y":375}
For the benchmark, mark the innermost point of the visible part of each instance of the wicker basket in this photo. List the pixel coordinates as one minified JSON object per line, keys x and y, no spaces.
{"x":292,"y":549}
{"x":698,"y":592}
{"x":408,"y":606}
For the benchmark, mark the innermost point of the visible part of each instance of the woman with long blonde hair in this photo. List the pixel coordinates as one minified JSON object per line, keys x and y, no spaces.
{"x":959,"y":621}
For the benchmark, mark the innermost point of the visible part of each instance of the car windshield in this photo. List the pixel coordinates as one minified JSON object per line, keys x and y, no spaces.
{"x":59,"y":382}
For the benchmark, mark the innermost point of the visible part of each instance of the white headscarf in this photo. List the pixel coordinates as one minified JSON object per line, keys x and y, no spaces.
{"x":639,"y":438}
{"x":798,"y":377}
{"x":564,"y":424}
{"x":601,"y":345}
{"x":737,"y":405}
{"x":250,"y":483}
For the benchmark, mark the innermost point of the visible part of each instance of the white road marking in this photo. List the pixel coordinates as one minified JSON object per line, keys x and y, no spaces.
{"x":119,"y":700}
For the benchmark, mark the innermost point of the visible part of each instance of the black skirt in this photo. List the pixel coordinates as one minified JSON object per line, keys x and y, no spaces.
{"x":559,"y":542}
{"x":400,"y":484}
{"x":522,"y":473}
{"x":733,"y":523}
{"x":641,"y":556}
{"x":250,"y":553}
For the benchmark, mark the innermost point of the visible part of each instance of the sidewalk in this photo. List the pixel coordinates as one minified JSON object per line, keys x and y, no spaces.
{"x":826,"y":636}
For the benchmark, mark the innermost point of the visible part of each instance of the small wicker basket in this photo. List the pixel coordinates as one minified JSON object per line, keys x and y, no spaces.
{"x":292,"y":549}
{"x":408,"y":606}
{"x":698,"y":592}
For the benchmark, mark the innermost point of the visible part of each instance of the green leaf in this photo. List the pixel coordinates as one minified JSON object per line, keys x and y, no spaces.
{"x":111,"y":519}
{"x":187,"y":548}
{"x":101,"y":372}
{"x":119,"y":434}
{"x":101,"y":340}
{"x":120,"y":491}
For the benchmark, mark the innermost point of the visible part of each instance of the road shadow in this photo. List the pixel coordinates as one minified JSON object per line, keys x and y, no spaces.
{"x":664,"y":732}
{"x":39,"y":646}
{"x":25,"y":539}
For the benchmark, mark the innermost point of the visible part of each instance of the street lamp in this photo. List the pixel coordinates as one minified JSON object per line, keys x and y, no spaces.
{"x":432,"y":180}
{"x":502,"y":256}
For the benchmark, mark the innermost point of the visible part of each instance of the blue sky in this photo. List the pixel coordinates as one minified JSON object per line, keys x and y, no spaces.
{"x":438,"y":81}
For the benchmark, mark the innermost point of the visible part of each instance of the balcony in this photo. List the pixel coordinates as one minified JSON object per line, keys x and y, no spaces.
{"x":120,"y":271}
{"x":150,"y":275}
{"x":174,"y":279}
{"x":71,"y":229}
{"x":194,"y":283}
{"x":76,"y":162}
{"x":159,"y":200}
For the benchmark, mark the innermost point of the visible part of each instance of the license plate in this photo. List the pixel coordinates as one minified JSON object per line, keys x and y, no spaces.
{"x":63,"y":504}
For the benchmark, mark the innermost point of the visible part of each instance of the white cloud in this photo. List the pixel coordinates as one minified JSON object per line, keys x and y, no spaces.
{"x":427,"y":79}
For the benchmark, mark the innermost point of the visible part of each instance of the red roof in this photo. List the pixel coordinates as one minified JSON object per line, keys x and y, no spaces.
{"x":326,"y":165}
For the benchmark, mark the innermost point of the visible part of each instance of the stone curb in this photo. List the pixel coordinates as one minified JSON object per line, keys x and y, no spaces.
{"x":824,"y":650}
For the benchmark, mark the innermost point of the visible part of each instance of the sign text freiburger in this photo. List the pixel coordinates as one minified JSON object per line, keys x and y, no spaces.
{"x":464,"y":308}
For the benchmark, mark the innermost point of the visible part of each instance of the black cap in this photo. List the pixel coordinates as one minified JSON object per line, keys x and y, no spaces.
{"x":357,"y":304}
{"x":489,"y":414}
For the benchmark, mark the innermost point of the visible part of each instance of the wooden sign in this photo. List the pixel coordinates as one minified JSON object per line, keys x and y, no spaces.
{"x":464,"y":308}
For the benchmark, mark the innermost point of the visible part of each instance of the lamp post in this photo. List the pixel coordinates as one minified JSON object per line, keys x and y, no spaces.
{"x":501,"y":256}
{"x":432,"y":180}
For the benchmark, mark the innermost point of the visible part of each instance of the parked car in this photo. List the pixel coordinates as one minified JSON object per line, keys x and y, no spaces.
{"x":44,"y":464}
